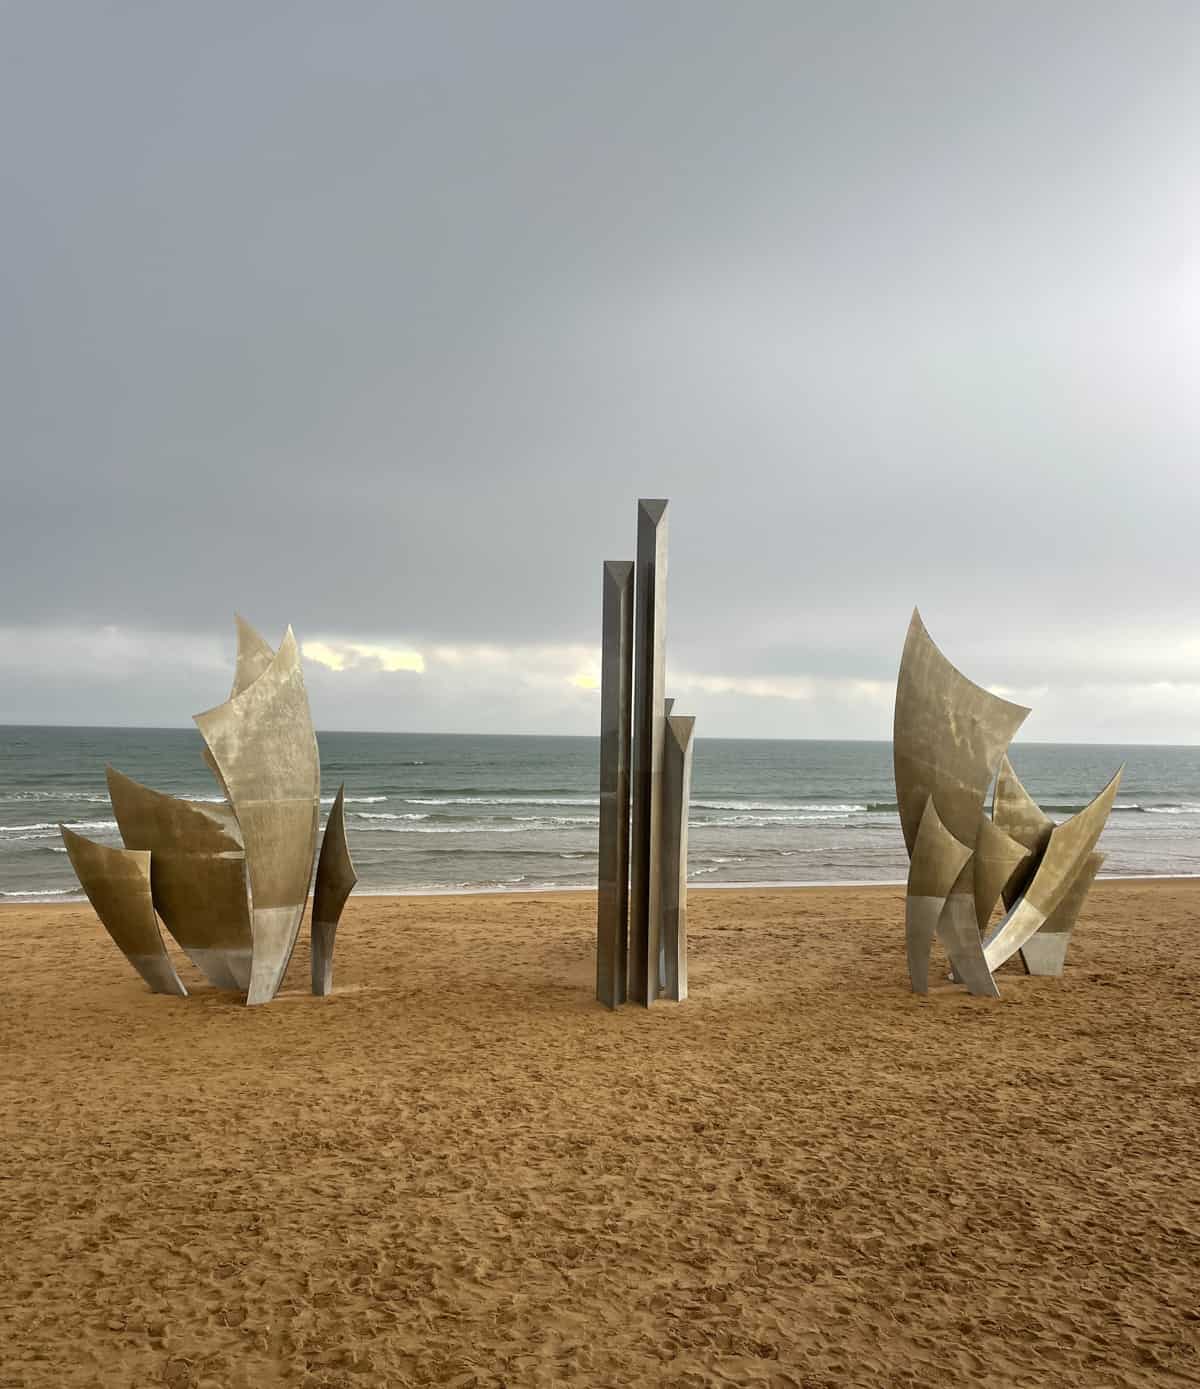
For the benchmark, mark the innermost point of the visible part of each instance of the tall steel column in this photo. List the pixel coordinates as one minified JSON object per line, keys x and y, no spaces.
{"x":616,"y":706}
{"x":649,"y":663}
{"x":677,"y":790}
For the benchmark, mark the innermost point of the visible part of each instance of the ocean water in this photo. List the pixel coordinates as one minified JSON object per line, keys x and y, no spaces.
{"x":449,"y":812}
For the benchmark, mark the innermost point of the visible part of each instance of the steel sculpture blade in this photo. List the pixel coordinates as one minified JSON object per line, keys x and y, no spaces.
{"x":1064,"y":859}
{"x":949,"y":737}
{"x":1046,"y":951}
{"x":616,"y":705}
{"x":938,"y":861}
{"x":1016,"y":812}
{"x":677,"y":791}
{"x":254,"y":656}
{"x":649,"y":725}
{"x":150,"y":819}
{"x":998,"y":859}
{"x":265,"y":750}
{"x":335,"y":881}
{"x":197,"y":875}
{"x":117,"y":883}
{"x":1013,"y":807}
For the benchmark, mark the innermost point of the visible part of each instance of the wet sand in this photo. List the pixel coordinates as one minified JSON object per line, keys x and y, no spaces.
{"x":459,"y":1170}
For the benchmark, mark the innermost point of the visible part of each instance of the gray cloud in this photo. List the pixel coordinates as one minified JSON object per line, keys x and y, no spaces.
{"x":377,"y":318}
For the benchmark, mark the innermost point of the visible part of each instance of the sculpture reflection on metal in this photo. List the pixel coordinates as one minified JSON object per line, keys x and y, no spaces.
{"x":950,"y":742}
{"x":230,"y":880}
{"x":335,"y":882}
{"x":645,"y":775}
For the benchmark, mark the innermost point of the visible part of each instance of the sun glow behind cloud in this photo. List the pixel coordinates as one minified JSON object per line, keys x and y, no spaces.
{"x":348,"y":655}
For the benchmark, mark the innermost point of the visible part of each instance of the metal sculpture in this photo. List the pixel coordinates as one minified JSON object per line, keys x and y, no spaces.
{"x":641,"y":921}
{"x":950,"y":741}
{"x":230,"y":880}
{"x":616,"y":703}
{"x":335,"y":882}
{"x":677,"y":788}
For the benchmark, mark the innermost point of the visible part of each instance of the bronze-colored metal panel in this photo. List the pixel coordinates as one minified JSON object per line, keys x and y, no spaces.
{"x":958,"y":931}
{"x":1016,"y":812}
{"x":1046,"y":952}
{"x":949,"y":737}
{"x":335,"y":881}
{"x":616,"y":706}
{"x":254,"y":657}
{"x":997,"y":859}
{"x":117,"y":883}
{"x":149,"y":819}
{"x":677,"y":791}
{"x":263,"y":744}
{"x":1065,"y":857}
{"x":938,"y":861}
{"x":649,"y":725}
{"x":204,"y":901}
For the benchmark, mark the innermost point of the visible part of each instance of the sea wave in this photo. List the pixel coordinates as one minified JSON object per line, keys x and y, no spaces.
{"x":838,"y":808}
{"x":502,"y":800}
{"x":20,"y":831}
{"x":535,"y":824}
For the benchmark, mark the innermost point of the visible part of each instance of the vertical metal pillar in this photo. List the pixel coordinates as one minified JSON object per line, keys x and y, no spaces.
{"x":616,"y":706}
{"x":645,"y":905}
{"x":677,"y":791}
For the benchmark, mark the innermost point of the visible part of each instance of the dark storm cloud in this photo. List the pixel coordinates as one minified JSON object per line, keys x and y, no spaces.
{"x":377,"y":318}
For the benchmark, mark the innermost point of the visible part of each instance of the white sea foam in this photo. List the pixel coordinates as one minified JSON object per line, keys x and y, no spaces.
{"x":50,"y":827}
{"x":502,"y":800}
{"x":795,"y":806}
{"x":353,"y":800}
{"x":41,"y":892}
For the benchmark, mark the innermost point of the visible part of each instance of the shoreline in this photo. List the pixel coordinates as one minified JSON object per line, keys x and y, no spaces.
{"x":849,"y":885}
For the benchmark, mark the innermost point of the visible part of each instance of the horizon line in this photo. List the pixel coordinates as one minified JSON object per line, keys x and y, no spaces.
{"x":591,"y":737}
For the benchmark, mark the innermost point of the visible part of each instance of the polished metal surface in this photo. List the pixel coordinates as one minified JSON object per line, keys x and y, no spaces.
{"x":197,"y":875}
{"x":949,"y":737}
{"x":335,"y":882}
{"x":998,"y":859}
{"x":265,"y":750}
{"x":150,"y":819}
{"x":1016,"y":812}
{"x":254,"y":655}
{"x":958,"y":931}
{"x":117,"y":883}
{"x":645,"y":901}
{"x":1065,"y":857}
{"x":938,"y":860}
{"x":677,"y":790}
{"x":1045,"y":952}
{"x":616,"y":706}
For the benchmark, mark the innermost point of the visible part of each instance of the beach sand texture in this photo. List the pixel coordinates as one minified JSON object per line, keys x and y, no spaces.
{"x":459,"y":1170}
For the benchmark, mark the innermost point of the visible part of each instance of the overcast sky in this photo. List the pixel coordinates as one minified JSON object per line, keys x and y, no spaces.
{"x":378,"y":318}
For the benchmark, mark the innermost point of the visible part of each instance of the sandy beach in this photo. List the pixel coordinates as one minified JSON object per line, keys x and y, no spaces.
{"x":459,"y":1170}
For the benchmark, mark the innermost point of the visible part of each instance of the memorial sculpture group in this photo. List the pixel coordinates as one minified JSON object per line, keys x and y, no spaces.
{"x":950,"y":741}
{"x":645,"y":784}
{"x":229,"y":879}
